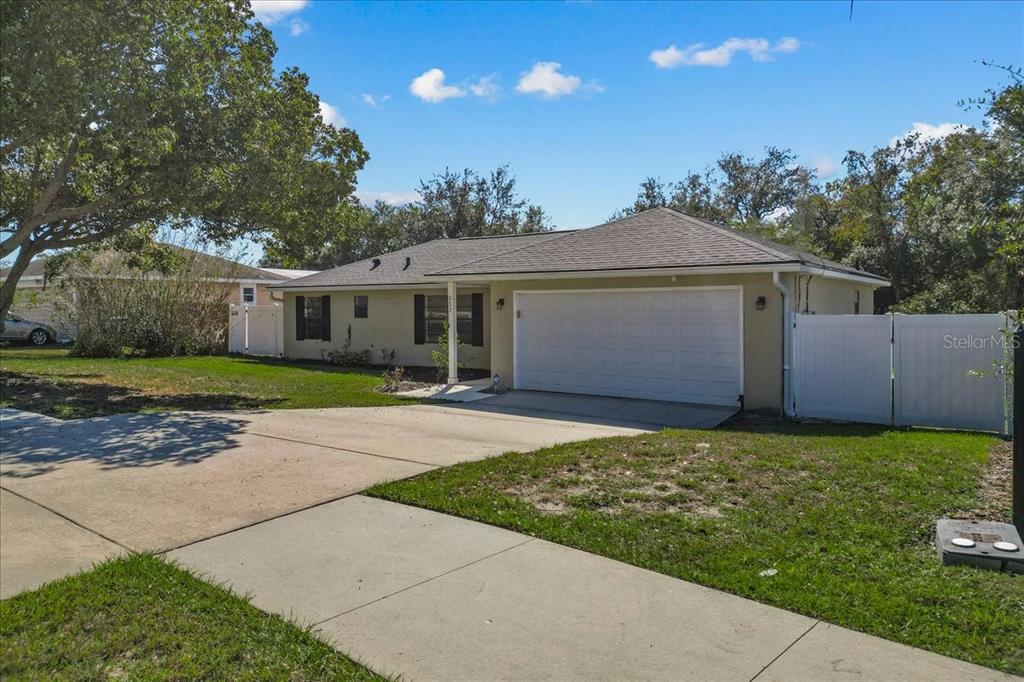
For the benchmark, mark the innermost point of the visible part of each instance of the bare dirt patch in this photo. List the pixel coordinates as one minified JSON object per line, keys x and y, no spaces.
{"x":994,"y":486}
{"x":704,"y":479}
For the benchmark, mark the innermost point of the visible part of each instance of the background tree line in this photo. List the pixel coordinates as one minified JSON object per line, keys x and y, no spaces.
{"x":940,"y":218}
{"x":451,"y":205}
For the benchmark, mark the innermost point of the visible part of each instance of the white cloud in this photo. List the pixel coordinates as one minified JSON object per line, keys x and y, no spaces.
{"x":486,"y":87}
{"x":393,"y":198}
{"x":668,"y":58}
{"x":297,"y":27}
{"x":374,"y":100}
{"x":270,"y":11}
{"x":544,"y":79}
{"x":824,"y":166}
{"x":430,"y":87}
{"x":927,"y":132}
{"x":698,"y":54}
{"x":778,"y":214}
{"x":330,"y":115}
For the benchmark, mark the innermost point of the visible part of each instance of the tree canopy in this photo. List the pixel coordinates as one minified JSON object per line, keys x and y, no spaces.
{"x":116,"y":114}
{"x":451,"y":205}
{"x":942,"y":219}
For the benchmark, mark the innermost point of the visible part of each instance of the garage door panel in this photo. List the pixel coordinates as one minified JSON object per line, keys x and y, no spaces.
{"x":674,"y":344}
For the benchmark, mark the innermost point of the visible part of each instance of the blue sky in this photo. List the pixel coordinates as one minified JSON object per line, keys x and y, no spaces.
{"x":582,"y":135}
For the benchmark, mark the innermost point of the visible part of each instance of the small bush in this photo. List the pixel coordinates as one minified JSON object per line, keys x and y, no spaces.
{"x":440,"y":355}
{"x":388,"y":356}
{"x":346,"y":357}
{"x":394,"y":380}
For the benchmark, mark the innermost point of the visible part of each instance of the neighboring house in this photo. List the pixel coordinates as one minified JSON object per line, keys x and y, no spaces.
{"x":658,"y":305}
{"x":36,"y":299}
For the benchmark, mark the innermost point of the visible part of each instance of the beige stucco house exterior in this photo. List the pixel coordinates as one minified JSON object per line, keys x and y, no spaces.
{"x":659,"y":305}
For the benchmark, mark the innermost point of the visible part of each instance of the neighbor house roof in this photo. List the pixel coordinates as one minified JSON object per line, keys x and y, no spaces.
{"x":659,"y":238}
{"x":289,"y":273}
{"x":210,"y":264}
{"x":410,"y":266}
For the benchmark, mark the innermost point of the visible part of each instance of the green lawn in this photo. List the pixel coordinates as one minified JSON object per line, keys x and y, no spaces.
{"x":844,"y":514}
{"x":49,"y":381}
{"x":141,"y":618}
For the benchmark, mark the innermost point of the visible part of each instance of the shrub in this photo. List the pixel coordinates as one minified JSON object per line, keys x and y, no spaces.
{"x":394,"y":380}
{"x":440,"y":355}
{"x":346,"y":357}
{"x":119,"y":307}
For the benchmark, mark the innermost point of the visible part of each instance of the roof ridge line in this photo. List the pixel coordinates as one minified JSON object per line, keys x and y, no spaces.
{"x":530,"y":246}
{"x":505,"y":253}
{"x":515,"y":234}
{"x":732,"y":233}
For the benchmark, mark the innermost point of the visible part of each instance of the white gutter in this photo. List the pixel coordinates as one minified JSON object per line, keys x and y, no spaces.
{"x":787,"y":344}
{"x":360,"y":287}
{"x":847,"y":276}
{"x":667,"y":272}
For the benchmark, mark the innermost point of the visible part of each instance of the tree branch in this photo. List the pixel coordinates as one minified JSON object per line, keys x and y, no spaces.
{"x":34,"y":218}
{"x":46,"y":198}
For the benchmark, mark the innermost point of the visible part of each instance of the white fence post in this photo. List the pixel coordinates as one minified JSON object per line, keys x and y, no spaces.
{"x":256,"y":330}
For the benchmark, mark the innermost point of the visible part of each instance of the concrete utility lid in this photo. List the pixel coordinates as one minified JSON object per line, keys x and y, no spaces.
{"x":986,"y":544}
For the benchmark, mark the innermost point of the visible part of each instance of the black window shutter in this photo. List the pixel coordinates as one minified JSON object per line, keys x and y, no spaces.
{"x":478,"y":319}
{"x":325,"y":318}
{"x":300,"y":318}
{"x":419,"y":319}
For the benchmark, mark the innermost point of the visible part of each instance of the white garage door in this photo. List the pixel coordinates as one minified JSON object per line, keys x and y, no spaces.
{"x":668,"y":344}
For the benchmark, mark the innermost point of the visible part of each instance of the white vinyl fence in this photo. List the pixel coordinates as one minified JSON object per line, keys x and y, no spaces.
{"x":912,"y":370}
{"x":256,"y":330}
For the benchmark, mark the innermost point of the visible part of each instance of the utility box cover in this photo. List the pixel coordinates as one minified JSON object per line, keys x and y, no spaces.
{"x":984,"y":544}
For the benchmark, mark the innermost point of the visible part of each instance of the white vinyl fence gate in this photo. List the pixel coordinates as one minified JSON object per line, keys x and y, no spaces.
{"x":910,"y":370}
{"x":256,"y":330}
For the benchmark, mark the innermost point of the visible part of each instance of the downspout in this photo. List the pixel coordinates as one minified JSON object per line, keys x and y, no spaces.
{"x":787,"y":344}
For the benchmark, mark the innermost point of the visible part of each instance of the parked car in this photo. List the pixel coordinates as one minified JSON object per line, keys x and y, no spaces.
{"x":18,"y":329}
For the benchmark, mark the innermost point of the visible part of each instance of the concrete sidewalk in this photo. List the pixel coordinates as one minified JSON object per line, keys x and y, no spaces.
{"x":435,"y":597}
{"x":75,"y":492}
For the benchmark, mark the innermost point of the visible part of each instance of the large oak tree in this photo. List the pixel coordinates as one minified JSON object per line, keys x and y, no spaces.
{"x":116,"y":114}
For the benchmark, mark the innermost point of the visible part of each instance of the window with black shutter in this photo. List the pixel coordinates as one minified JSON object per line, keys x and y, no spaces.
{"x":431,"y":314}
{"x":362,"y":306}
{"x":313,"y":317}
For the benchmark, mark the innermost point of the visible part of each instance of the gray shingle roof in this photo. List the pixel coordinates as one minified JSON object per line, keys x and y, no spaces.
{"x":658,"y":238}
{"x":423,"y":259}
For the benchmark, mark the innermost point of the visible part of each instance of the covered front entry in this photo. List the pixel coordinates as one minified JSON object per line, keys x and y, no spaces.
{"x":677,"y":344}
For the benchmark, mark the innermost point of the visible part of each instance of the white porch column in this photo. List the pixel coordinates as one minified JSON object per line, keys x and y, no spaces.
{"x":453,"y":334}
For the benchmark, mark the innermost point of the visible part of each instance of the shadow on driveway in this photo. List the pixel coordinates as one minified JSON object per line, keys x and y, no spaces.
{"x":79,"y":399}
{"x":33,"y":444}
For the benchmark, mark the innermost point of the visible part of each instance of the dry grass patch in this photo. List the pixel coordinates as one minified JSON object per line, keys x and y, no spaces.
{"x":655,"y":477}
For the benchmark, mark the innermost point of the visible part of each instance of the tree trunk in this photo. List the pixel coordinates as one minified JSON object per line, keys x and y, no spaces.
{"x":25,"y":255}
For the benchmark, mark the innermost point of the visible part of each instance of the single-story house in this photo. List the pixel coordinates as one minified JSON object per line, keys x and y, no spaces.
{"x":36,"y":299}
{"x":658,"y":305}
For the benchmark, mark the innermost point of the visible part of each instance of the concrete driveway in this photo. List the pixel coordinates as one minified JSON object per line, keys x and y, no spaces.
{"x":77,"y":491}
